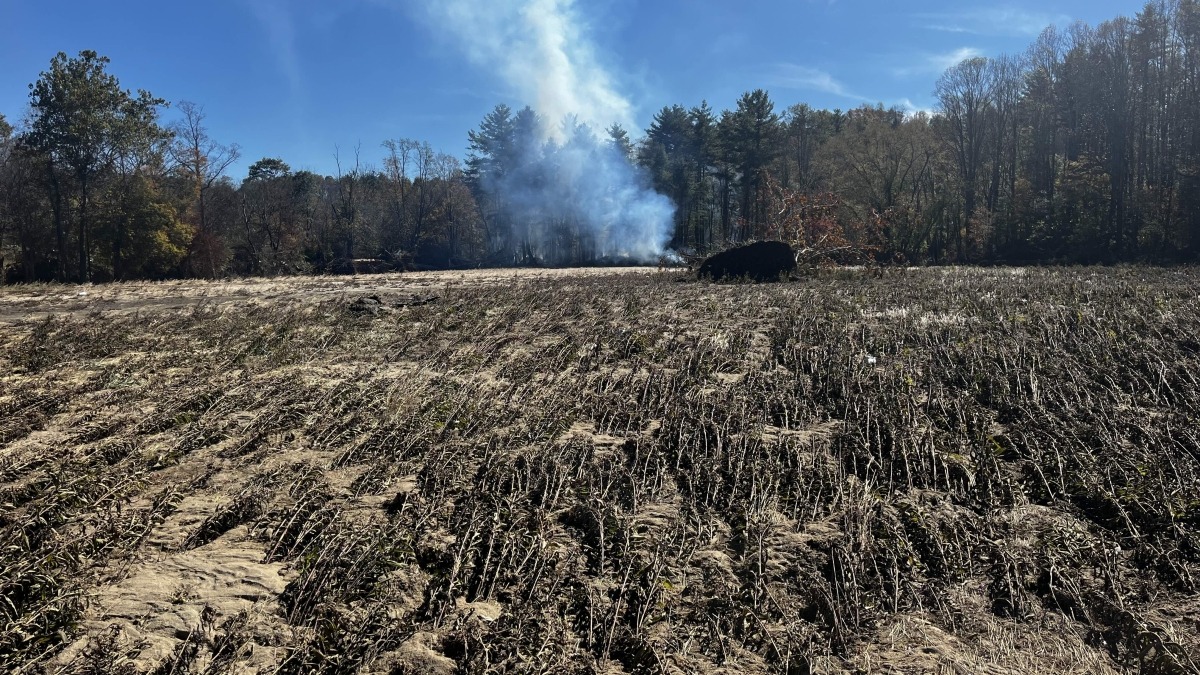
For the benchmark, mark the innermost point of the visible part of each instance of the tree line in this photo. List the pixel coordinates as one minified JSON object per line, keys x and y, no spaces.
{"x":95,"y":187}
{"x":1085,"y":148}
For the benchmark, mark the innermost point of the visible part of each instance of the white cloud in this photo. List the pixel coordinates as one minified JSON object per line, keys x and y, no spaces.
{"x":1000,"y":20}
{"x":793,"y":76}
{"x":948,"y":28}
{"x":942,"y":62}
{"x":935,"y":64}
{"x":911,"y":108}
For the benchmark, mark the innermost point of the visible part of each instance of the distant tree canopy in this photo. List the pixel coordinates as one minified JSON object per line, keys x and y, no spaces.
{"x":1086,"y":148}
{"x":94,"y":188}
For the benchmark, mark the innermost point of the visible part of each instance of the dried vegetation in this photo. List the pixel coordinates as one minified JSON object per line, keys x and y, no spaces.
{"x":935,"y":471}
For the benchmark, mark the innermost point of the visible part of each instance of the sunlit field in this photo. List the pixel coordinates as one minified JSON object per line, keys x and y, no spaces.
{"x":604,"y":471}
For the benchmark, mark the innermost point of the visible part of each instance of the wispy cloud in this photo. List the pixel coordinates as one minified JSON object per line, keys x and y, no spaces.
{"x":948,"y":28}
{"x":794,"y":76}
{"x":911,"y":108}
{"x":932,"y":64}
{"x":1001,"y":20}
{"x":278,"y":20}
{"x":279,"y":24}
{"x":941,"y":62}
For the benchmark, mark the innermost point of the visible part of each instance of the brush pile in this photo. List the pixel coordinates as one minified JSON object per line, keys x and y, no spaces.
{"x":759,"y":261}
{"x":944,"y":471}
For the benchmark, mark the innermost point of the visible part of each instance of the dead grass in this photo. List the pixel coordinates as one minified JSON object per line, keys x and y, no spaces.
{"x":947,"y":471}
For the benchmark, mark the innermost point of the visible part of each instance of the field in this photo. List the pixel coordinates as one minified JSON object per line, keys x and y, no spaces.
{"x":604,"y":471}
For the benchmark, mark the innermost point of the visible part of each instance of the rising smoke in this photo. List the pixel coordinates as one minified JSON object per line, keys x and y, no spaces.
{"x":569,"y":182}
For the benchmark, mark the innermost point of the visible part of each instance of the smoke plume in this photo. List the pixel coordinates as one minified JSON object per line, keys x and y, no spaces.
{"x":566,"y":178}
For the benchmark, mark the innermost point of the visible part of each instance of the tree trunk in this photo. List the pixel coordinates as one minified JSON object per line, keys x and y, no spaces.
{"x":84,"y":271}
{"x":59,"y":228}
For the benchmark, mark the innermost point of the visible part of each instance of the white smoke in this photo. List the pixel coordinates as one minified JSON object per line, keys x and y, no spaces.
{"x":541,"y":49}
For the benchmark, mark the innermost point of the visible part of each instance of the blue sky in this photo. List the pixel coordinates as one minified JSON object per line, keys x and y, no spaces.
{"x":298,"y":78}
